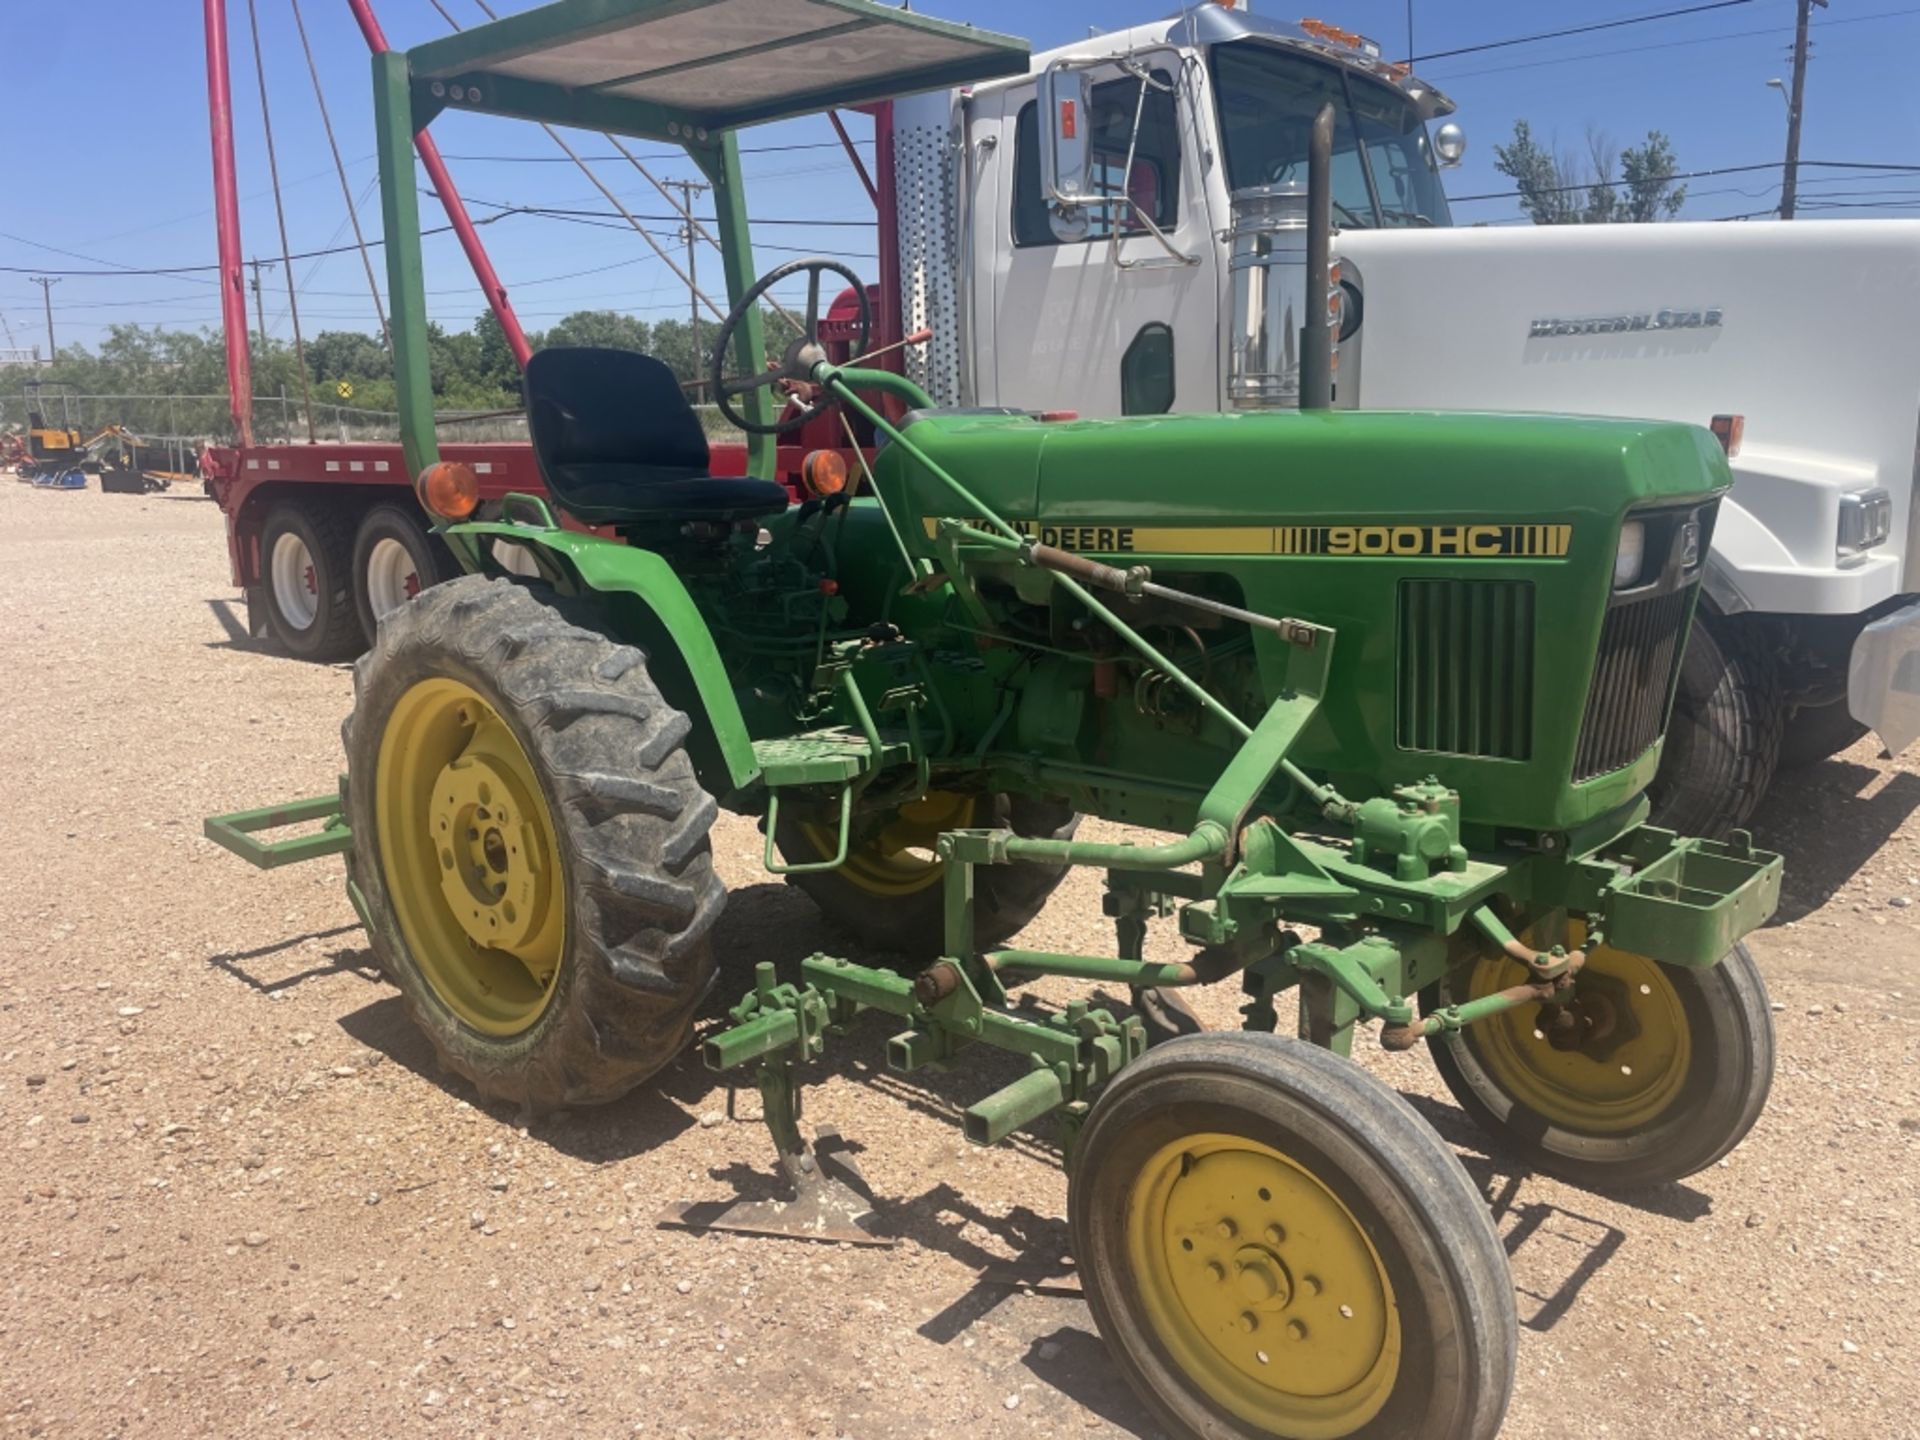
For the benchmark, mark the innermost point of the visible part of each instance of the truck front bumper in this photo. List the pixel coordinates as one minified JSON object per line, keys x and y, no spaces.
{"x":1883,"y":678}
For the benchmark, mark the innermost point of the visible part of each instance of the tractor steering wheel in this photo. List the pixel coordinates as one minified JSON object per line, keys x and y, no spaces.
{"x":800,"y":357}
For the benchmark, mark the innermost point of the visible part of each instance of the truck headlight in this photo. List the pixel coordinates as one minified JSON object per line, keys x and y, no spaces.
{"x":1866,"y":519}
{"x":1631,"y":555}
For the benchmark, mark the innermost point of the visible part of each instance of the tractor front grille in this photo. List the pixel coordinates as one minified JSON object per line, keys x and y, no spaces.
{"x":1465,"y":674}
{"x":1633,"y":678}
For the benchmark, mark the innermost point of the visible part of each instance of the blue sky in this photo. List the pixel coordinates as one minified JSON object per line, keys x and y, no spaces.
{"x":106,"y":150}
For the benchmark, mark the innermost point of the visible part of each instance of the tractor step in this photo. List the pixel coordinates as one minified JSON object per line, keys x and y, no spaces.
{"x":819,"y":757}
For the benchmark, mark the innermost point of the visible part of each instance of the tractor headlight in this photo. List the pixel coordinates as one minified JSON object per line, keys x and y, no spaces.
{"x":1631,"y":555}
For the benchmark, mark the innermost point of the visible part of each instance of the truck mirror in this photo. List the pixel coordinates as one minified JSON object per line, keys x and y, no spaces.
{"x":1065,"y":97}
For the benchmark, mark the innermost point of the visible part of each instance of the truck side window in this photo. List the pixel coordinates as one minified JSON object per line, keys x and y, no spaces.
{"x":1154,"y":184}
{"x":1146,"y":372}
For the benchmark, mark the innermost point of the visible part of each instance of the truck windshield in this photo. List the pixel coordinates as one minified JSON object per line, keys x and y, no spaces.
{"x":1383,"y":170}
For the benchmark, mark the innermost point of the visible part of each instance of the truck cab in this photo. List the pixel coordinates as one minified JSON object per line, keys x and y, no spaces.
{"x":1127,"y":224}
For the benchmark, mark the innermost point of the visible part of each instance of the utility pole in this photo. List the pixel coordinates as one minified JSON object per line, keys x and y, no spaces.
{"x":689,"y":232}
{"x":260,"y":310}
{"x":1790,"y":180}
{"x":46,"y":284}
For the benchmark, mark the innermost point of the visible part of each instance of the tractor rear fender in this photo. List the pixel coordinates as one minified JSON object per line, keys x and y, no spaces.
{"x":649,"y":607}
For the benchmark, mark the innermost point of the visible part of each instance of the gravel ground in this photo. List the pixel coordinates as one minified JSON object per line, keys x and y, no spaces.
{"x":241,"y":1198}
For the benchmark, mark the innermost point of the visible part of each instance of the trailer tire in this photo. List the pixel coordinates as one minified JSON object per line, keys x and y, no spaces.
{"x":1723,"y":741}
{"x":395,"y":557}
{"x":594,"y":981}
{"x":1818,"y":732}
{"x":306,"y":574}
{"x":904,"y":913}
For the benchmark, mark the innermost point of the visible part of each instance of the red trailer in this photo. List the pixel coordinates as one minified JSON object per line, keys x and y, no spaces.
{"x":324,"y":538}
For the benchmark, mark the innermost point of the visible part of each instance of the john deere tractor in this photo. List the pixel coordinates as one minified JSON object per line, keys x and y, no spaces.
{"x":1390,"y":687}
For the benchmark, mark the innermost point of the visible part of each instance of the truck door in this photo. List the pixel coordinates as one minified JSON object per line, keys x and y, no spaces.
{"x":1080,"y":320}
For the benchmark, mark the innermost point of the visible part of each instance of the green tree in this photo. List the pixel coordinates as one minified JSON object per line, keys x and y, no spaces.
{"x":604,"y":329}
{"x":1559,"y":188}
{"x":335,"y":355}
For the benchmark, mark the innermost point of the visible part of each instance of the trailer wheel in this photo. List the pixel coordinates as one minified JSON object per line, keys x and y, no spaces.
{"x":1818,"y":732}
{"x":395,"y":557}
{"x":306,"y":563}
{"x":888,"y":895}
{"x":1723,"y":740}
{"x":1275,"y":1245}
{"x":1675,"y":1077}
{"x":530,"y":844}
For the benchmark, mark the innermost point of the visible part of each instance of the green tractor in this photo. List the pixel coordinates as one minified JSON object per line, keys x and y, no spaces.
{"x":1391,"y":685}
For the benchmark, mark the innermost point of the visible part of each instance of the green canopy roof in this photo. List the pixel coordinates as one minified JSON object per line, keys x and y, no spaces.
{"x":649,"y":67}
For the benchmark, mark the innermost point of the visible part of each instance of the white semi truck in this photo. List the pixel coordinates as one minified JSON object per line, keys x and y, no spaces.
{"x":1120,"y":231}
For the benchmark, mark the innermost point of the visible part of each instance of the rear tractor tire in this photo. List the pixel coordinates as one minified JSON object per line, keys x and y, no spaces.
{"x":306,"y":572}
{"x":1276,"y":1247}
{"x":888,"y":894}
{"x":1675,"y":1076}
{"x":530,"y":844}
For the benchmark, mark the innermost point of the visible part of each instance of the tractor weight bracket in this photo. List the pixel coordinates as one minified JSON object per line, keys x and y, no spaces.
{"x":239,"y":831}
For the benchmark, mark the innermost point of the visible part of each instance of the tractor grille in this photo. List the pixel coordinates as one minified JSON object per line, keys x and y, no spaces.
{"x":1633,"y":679}
{"x":1466,"y":668}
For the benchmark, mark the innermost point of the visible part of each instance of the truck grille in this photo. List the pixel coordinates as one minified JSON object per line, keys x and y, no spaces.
{"x":1466,"y":668}
{"x":1633,"y":679}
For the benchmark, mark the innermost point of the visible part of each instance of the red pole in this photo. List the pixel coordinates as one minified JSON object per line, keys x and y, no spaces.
{"x":226,"y":211}
{"x":450,"y":200}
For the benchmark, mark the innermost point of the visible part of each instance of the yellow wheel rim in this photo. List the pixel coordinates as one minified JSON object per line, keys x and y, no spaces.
{"x":470,"y":857}
{"x":899,"y":860}
{"x":1620,"y":1082}
{"x":1263,"y":1287}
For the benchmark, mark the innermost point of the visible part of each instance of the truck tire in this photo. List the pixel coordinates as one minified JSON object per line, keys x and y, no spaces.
{"x":1723,"y":740}
{"x":395,"y":557}
{"x":531,"y":849}
{"x":888,"y":894}
{"x":306,"y":569}
{"x":1818,"y":732}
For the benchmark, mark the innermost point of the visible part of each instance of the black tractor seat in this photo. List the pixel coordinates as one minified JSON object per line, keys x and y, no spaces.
{"x":617,"y":443}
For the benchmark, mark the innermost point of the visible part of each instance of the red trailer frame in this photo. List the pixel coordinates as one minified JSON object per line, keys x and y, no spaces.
{"x":336,"y":487}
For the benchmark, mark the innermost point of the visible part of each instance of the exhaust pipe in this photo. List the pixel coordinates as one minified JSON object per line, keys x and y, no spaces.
{"x":1316,"y":335}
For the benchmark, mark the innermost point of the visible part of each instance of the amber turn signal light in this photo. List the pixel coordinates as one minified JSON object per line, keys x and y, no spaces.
{"x":1729,"y":430}
{"x":824,"y":473}
{"x":448,"y":489}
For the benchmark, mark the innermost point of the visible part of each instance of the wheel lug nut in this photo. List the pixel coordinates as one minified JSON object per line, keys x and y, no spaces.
{"x":1249,"y":1322}
{"x":1216,"y":1271}
{"x":1227,"y":1229}
{"x":1312,"y":1284}
{"x":1296,"y":1330}
{"x":1276,"y":1235}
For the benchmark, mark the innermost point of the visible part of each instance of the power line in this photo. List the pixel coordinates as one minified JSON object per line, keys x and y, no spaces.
{"x":1716,"y":37}
{"x":1580,"y":30}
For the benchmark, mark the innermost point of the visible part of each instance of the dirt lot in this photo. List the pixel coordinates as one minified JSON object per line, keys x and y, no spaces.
{"x":240,"y":1199}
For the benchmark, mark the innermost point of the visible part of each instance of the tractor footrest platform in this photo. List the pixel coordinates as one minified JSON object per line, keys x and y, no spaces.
{"x":1688,"y":901}
{"x":821,"y":757}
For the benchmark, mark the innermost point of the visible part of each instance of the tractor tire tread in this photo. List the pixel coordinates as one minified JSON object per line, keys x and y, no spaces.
{"x":632,"y":821}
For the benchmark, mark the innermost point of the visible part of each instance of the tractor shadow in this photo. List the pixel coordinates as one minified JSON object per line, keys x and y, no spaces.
{"x":1554,"y":1251}
{"x":1829,"y":820}
{"x":347,"y":960}
{"x":231,"y":619}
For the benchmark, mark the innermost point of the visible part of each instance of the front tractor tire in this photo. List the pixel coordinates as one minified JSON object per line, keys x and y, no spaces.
{"x":1276,"y":1247}
{"x":530,"y":844}
{"x":888,"y":895}
{"x":1673,"y":1075}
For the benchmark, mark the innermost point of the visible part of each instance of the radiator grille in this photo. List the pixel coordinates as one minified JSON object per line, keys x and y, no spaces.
{"x":1466,"y":668}
{"x":1633,"y":679}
